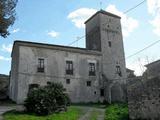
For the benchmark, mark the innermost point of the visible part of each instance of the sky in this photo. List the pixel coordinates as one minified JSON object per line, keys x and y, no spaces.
{"x":62,"y":22}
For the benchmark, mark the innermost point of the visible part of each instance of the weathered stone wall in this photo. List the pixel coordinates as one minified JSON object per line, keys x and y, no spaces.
{"x":4,"y":82}
{"x":144,"y":98}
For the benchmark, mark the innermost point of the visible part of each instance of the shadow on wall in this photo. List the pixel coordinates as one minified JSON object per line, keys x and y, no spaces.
{"x":117,"y":93}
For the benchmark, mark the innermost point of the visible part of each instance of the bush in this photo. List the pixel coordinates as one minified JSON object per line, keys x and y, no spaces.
{"x":117,"y":111}
{"x":47,"y":99}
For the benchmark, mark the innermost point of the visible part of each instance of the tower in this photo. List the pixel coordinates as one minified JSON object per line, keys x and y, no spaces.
{"x":103,"y":33}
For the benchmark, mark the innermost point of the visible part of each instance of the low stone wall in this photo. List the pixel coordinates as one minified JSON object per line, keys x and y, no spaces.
{"x":144,"y":98}
{"x":4,"y":82}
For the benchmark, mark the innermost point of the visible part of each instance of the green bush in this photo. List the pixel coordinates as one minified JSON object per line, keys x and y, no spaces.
{"x":47,"y":99}
{"x":117,"y":112}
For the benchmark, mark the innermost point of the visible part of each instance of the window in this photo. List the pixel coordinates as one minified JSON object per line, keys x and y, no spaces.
{"x":40,"y":65}
{"x":102,"y":92}
{"x":118,"y":70}
{"x":67,"y":81}
{"x":88,"y":83}
{"x":69,"y":67}
{"x":109,"y":43}
{"x":92,"y":69}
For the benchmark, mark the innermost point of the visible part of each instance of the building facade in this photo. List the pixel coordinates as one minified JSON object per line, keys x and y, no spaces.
{"x":91,"y":74}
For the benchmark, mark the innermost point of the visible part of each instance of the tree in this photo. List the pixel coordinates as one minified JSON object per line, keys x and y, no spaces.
{"x":7,"y":15}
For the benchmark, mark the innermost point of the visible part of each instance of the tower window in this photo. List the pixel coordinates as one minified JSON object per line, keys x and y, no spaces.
{"x":69,"y":67}
{"x":67,"y":81}
{"x":92,"y":69}
{"x":102,"y":92}
{"x":40,"y":67}
{"x":88,"y":83}
{"x":109,"y":43}
{"x":118,"y":70}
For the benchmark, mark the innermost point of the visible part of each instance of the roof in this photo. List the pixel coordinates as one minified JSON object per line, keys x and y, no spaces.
{"x":157,"y":61}
{"x":129,"y":70}
{"x":55,"y":47}
{"x":103,"y":12}
{"x":3,"y":75}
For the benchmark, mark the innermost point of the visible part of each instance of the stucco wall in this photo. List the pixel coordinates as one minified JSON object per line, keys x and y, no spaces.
{"x":55,"y":71}
{"x":13,"y":84}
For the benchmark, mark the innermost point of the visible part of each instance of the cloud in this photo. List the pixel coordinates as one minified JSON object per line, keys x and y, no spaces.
{"x":53,"y":33}
{"x":154,"y":10}
{"x":4,"y":58}
{"x":137,"y":66}
{"x":79,"y":16}
{"x":16,"y":30}
{"x":129,"y":24}
{"x":7,"y":48}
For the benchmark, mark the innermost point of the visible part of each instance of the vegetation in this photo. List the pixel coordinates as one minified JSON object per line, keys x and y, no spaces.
{"x":116,"y":112}
{"x":47,"y":99}
{"x":94,"y":114}
{"x":73,"y":113}
{"x":7,"y":16}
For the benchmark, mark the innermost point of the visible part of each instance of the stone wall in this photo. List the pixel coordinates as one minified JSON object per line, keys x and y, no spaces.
{"x":144,"y":98}
{"x":4,"y":81}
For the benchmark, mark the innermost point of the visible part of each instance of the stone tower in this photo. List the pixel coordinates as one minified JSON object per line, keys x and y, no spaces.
{"x":103,"y":33}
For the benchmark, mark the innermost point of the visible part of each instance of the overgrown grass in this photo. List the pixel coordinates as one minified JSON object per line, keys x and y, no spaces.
{"x":94,"y":114}
{"x":73,"y":113}
{"x":116,"y":112}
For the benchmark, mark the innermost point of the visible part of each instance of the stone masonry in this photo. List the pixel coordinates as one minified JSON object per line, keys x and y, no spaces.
{"x":144,"y":98}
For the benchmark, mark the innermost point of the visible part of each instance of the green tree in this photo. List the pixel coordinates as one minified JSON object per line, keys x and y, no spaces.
{"x":7,"y":15}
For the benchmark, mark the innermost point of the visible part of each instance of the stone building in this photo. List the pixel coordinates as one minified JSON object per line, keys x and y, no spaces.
{"x":91,"y":74}
{"x":130,"y":73}
{"x":153,"y":69}
{"x":144,"y":94}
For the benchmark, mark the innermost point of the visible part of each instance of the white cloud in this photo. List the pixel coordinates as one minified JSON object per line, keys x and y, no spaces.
{"x":129,"y":24}
{"x":154,"y":10}
{"x":7,"y":48}
{"x":79,"y":16}
{"x":16,"y":30}
{"x":137,"y":66}
{"x":53,"y":33}
{"x":4,"y":58}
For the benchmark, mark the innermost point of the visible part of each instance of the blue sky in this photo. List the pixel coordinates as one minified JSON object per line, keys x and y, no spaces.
{"x":61,"y":22}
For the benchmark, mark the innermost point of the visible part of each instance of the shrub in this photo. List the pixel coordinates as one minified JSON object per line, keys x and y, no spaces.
{"x":117,"y":111}
{"x":47,"y":99}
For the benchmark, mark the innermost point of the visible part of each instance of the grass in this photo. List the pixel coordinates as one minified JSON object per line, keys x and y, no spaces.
{"x":116,"y":112}
{"x":94,"y":114}
{"x":73,"y":113}
{"x":95,"y":105}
